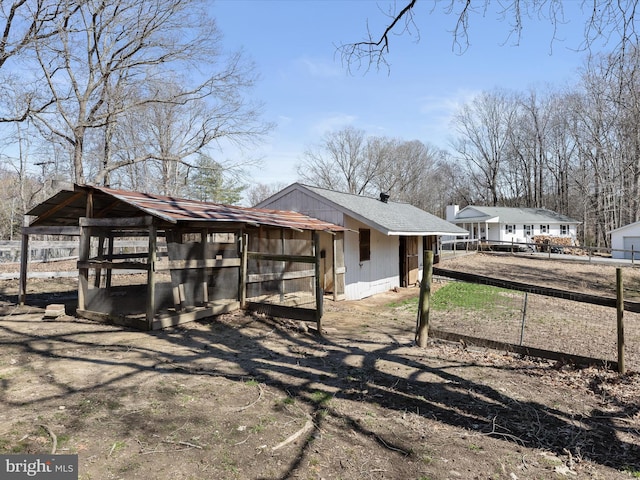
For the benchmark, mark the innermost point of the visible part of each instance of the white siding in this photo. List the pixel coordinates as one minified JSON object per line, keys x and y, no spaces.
{"x":617,"y":243}
{"x":623,"y":239}
{"x":377,"y":275}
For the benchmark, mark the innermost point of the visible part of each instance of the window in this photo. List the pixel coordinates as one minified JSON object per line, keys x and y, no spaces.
{"x":564,"y":229}
{"x":544,"y":228}
{"x":365,"y":244}
{"x":509,"y":228}
{"x":528,"y":230}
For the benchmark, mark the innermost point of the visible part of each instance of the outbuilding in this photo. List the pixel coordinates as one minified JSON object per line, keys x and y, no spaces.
{"x":625,"y":242}
{"x":383,"y":243}
{"x":198,"y":259}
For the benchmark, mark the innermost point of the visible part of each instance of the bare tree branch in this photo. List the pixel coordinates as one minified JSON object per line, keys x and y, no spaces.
{"x":606,"y":21}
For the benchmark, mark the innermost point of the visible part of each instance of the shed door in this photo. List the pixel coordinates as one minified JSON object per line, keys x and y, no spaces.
{"x":408,"y":261}
{"x":631,"y":243}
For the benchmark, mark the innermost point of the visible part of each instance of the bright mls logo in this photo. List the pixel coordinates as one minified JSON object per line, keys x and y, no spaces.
{"x":50,"y":467}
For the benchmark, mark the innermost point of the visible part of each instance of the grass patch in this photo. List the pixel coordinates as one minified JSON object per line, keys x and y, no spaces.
{"x":632,"y":472}
{"x":469,"y":296}
{"x":321,"y":398}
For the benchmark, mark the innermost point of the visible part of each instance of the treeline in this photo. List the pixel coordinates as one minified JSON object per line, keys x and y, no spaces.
{"x":142,"y":98}
{"x":573,"y":150}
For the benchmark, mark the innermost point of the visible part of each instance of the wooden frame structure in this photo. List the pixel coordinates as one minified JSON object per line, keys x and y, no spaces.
{"x":198,"y":262}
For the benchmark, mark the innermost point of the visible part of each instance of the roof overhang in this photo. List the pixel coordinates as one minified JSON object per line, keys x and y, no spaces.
{"x":67,"y":207}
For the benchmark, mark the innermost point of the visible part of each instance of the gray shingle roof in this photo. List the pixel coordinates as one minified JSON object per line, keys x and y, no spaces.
{"x":510,"y":215}
{"x":391,"y":218}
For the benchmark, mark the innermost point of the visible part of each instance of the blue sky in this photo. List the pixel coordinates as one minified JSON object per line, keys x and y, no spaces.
{"x":308,"y":92}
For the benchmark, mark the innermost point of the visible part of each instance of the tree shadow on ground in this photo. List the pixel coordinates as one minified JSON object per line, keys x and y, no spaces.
{"x":313,"y":370}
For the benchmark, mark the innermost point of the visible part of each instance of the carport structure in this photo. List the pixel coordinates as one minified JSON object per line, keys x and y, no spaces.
{"x":201,"y":259}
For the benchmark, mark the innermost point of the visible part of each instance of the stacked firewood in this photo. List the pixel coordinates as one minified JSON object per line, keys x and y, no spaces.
{"x":559,"y":244}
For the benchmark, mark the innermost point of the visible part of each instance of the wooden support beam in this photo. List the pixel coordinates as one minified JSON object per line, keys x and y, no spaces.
{"x":206,"y":263}
{"x":282,"y":258}
{"x":334,"y":263}
{"x":318,"y":283}
{"x":284,"y":311}
{"x":83,"y":270}
{"x":243,"y":238}
{"x":59,"y":207}
{"x":106,"y":264}
{"x":109,"y":258}
{"x":203,"y":258}
{"x":151,"y":276}
{"x":98,"y":268}
{"x":24,"y":265}
{"x":122,"y":222}
{"x":89,"y":205}
{"x":217,"y":308}
{"x":174,"y":236}
{"x":265,"y":277}
{"x":48,"y":230}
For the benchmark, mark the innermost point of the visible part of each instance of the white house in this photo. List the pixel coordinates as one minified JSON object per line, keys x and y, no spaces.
{"x":504,"y":224}
{"x":625,"y":242}
{"x":383,"y":246}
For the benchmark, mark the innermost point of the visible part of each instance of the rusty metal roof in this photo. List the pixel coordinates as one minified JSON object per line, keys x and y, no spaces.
{"x":66,"y":207}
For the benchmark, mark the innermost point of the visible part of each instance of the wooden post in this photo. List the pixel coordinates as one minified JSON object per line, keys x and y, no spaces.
{"x":422,"y":332}
{"x":98,"y":271}
{"x":83,"y":257}
{"x":620,"y":310}
{"x":334,"y":261}
{"x":319,"y":293}
{"x":151,"y":275}
{"x":524,"y":317}
{"x":204,"y":233}
{"x":24,"y":264}
{"x":110,"y":241}
{"x":283,"y":264}
{"x":244,"y":249}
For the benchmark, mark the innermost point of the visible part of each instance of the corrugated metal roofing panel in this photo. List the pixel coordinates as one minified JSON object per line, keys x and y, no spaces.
{"x":66,"y":207}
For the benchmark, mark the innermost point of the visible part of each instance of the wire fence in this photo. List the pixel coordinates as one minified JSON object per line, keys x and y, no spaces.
{"x":552,"y":247}
{"x":556,"y":328}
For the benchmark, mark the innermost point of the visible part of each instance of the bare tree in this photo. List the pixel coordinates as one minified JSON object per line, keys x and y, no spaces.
{"x":113,"y":58}
{"x":349,"y":161}
{"x":607,"y":20}
{"x":162,"y":143}
{"x":258,"y":192}
{"x":341,"y":162}
{"x":485,"y":127}
{"x":407,"y":171}
{"x":22,"y":24}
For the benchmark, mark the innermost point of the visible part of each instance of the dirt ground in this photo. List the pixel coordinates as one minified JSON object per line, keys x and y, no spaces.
{"x":249,"y":397}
